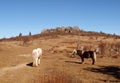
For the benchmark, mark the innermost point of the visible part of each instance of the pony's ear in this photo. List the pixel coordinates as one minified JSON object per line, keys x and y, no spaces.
{"x":81,"y":48}
{"x":97,"y":50}
{"x":74,"y":51}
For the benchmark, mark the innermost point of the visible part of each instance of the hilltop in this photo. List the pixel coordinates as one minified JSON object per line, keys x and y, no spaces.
{"x":62,"y":31}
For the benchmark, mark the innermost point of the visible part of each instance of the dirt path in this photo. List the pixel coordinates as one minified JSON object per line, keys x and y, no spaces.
{"x":13,"y":68}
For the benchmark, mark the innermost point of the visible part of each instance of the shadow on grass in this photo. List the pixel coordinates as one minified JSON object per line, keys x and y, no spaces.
{"x":29,"y":64}
{"x":109,"y":70}
{"x":73,"y":62}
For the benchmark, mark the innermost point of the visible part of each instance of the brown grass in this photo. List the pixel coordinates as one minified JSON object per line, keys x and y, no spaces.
{"x":110,"y":49}
{"x":56,"y":77}
{"x":58,"y":66}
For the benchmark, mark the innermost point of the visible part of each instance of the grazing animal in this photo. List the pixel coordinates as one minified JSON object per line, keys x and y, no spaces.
{"x":36,"y":54}
{"x":87,"y":54}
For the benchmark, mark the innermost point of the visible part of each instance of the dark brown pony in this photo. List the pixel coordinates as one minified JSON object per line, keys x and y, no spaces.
{"x":87,"y":54}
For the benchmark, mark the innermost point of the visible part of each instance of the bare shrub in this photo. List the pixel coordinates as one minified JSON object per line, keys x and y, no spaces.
{"x":104,"y":48}
{"x":115,"y":49}
{"x":110,"y":49}
{"x":25,"y":41}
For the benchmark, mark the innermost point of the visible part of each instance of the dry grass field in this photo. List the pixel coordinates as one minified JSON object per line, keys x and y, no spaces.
{"x":57,"y":65}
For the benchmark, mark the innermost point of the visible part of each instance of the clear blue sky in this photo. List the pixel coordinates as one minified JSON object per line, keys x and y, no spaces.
{"x":35,"y":15}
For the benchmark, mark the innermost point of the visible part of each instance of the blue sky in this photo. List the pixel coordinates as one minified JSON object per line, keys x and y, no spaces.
{"x":35,"y":15}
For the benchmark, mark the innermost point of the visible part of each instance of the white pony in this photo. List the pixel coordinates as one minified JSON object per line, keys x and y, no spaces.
{"x":36,"y":54}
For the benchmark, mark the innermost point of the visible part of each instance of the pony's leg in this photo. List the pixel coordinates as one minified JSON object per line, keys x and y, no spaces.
{"x":93,"y":61}
{"x":82,"y":60}
{"x":38,"y":61}
{"x":34,"y":62}
{"x":94,"y":58}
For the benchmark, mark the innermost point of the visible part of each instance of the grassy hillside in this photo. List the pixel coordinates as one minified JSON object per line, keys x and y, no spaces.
{"x":57,"y":64}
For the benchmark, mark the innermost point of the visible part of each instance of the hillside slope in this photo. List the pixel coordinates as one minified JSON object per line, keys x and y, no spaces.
{"x":57,"y":65}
